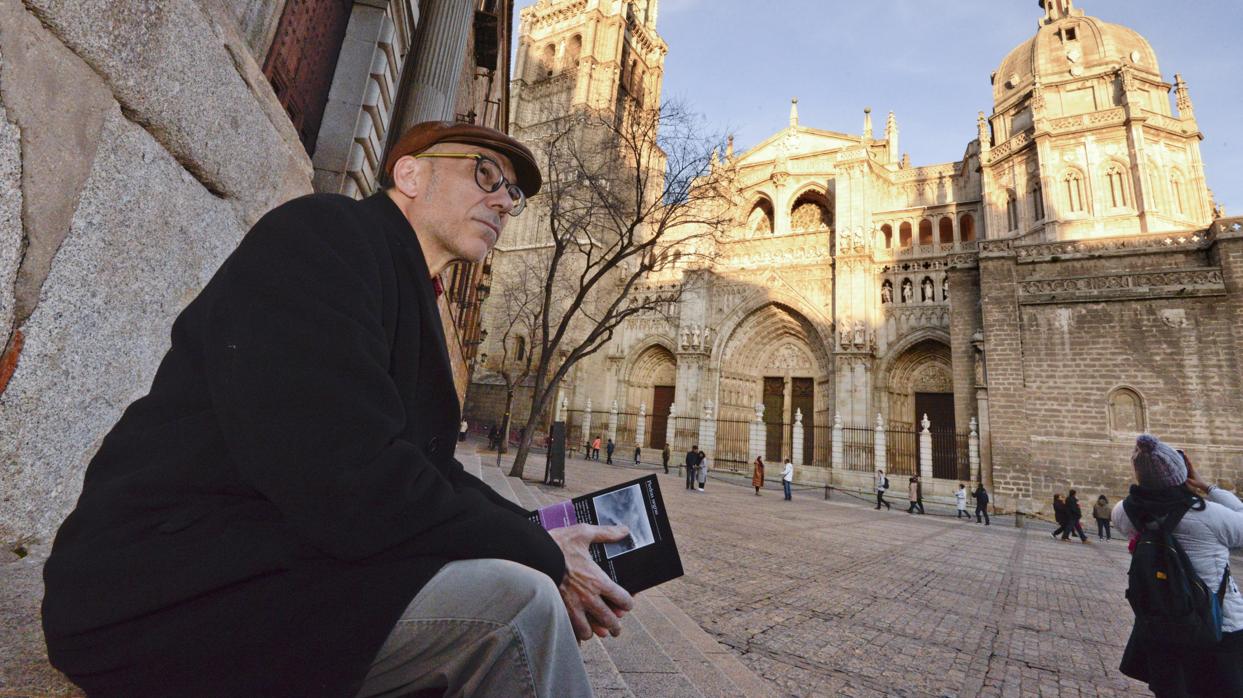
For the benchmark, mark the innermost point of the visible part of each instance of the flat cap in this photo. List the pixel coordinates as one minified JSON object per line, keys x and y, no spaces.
{"x":424,"y":135}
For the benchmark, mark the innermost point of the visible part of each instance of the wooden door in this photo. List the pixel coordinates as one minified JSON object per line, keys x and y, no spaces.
{"x":662,"y":398}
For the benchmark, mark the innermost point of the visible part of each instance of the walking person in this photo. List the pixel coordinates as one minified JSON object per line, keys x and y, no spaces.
{"x":757,"y":474}
{"x":1059,"y":515}
{"x":1100,"y":512}
{"x":1207,"y":523}
{"x":882,"y":484}
{"x":915,"y":495}
{"x":664,"y":458}
{"x":461,"y":430}
{"x":787,"y":478}
{"x":636,"y":454}
{"x":692,"y":460}
{"x":492,"y":438}
{"x":595,"y":449}
{"x":703,"y":470}
{"x":1073,"y":516}
{"x":981,"y":503}
{"x":608,"y":452}
{"x":960,"y":498}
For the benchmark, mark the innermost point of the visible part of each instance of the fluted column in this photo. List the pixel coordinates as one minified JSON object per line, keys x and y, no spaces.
{"x":439,"y":54}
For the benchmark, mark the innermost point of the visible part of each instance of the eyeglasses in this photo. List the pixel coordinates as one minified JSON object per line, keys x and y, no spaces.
{"x":489,"y":177}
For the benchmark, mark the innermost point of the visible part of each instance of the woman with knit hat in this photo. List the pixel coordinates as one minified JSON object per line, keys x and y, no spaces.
{"x":1211,"y":525}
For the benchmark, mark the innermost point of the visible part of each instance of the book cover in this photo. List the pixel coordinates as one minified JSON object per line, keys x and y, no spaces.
{"x":645,"y":558}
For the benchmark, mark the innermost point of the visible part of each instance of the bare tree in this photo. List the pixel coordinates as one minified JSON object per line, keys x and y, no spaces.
{"x":629,"y":198}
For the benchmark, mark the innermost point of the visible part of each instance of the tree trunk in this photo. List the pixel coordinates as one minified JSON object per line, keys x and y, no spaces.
{"x":524,"y":445}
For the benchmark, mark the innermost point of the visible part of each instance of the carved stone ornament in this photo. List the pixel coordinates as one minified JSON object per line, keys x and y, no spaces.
{"x":1174,"y":317}
{"x":933,"y":378}
{"x":790,"y":358}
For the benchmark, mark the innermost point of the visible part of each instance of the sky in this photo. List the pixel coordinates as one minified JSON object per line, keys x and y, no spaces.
{"x":738,"y":63}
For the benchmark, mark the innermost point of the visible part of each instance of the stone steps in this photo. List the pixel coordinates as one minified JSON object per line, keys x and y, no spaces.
{"x":661,"y":651}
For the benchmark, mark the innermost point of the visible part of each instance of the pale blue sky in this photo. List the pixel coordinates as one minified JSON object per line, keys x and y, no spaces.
{"x":739,"y":62}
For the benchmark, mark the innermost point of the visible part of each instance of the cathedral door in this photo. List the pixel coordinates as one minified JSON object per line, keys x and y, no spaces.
{"x":940,"y":410}
{"x":662,"y":398}
{"x":774,"y":412}
{"x":803,"y":398}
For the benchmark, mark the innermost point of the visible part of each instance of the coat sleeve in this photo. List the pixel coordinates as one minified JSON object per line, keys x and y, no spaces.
{"x":1230,"y":521}
{"x":1120,"y":521}
{"x":297,"y":363}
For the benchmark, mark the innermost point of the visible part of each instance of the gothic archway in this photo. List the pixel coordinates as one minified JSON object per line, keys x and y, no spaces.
{"x":650,"y":381}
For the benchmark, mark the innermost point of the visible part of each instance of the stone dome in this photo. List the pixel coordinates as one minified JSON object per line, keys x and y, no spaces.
{"x":1068,"y":47}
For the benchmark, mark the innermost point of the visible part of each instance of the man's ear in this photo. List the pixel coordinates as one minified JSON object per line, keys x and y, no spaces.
{"x":408,"y":176}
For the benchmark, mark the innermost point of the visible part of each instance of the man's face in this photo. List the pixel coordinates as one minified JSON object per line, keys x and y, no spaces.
{"x":455,"y":214}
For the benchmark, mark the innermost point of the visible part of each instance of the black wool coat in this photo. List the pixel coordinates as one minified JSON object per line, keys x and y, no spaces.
{"x":256,"y":524}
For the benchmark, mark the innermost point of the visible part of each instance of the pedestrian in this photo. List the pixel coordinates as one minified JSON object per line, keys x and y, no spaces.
{"x":595,"y":449}
{"x":461,"y":430}
{"x":587,"y":449}
{"x":1100,"y":512}
{"x":636,"y":454}
{"x":787,"y":478}
{"x":882,"y":484}
{"x":1059,"y":515}
{"x":915,"y":494}
{"x":282,"y":513}
{"x":692,"y":460}
{"x":960,"y":498}
{"x":757,"y":474}
{"x":608,"y":452}
{"x":981,"y":503}
{"x":664,"y":458}
{"x":1207,"y":523}
{"x":1073,"y":517}
{"x":703,"y":470}
{"x":491,"y":437}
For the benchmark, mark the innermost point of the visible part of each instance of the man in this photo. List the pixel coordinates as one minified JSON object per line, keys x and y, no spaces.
{"x":282,"y":513}
{"x":608,"y":449}
{"x":664,"y":458}
{"x":462,"y":429}
{"x":692,"y":462}
{"x":787,"y":479}
{"x":882,"y":484}
{"x":981,"y":503}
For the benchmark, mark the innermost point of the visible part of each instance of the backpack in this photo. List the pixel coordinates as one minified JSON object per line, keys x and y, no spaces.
{"x":1172,"y":605}
{"x":886,"y":485}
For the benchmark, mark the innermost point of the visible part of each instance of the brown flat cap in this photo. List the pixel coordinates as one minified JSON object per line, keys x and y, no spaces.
{"x":424,"y":135}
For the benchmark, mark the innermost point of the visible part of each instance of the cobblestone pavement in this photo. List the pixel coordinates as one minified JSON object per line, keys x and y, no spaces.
{"x":837,"y":599}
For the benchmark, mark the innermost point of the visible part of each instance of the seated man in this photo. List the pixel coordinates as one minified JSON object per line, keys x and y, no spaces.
{"x":282,"y":513}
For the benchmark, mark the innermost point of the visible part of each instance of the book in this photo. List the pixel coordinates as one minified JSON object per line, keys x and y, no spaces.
{"x":645,"y":558}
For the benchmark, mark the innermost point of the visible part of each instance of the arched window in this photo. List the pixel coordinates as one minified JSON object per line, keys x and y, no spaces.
{"x":572,"y":51}
{"x":760,"y":221}
{"x":1038,"y":201}
{"x":1155,"y":199}
{"x":809,"y":213}
{"x":904,"y":234}
{"x":1115,"y":180}
{"x":886,"y":230}
{"x":1126,"y":412}
{"x":1176,"y":191}
{"x":966,"y":226}
{"x":925,"y":232}
{"x":549,"y":60}
{"x":1073,"y":185}
{"x":1012,"y":210}
{"x":946,"y":230}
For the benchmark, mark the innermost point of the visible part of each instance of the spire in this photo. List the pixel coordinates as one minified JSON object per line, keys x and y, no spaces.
{"x":793,"y":111}
{"x":1181,"y":97}
{"x":1057,"y":9}
{"x":981,"y":127}
{"x":867,"y":122}
{"x":729,"y":147}
{"x":891,"y":136}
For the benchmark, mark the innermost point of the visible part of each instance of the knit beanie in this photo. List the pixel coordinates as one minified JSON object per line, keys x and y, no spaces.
{"x":1156,"y":464}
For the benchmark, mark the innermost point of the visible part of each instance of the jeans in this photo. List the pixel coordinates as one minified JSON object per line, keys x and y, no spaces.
{"x":981,"y":509}
{"x":481,"y":627}
{"x":785,"y":486}
{"x":1076,"y":528}
{"x":690,"y":477}
{"x":1102,"y":529}
{"x":915,"y":503}
{"x":880,"y":499}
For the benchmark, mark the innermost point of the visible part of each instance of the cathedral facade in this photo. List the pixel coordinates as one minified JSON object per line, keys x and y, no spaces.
{"x":1033,"y":306}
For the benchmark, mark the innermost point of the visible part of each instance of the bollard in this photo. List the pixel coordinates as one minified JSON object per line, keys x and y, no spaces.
{"x":1018,"y":519}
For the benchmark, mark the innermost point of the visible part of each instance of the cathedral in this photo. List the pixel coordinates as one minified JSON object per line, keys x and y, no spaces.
{"x":1015,"y":317}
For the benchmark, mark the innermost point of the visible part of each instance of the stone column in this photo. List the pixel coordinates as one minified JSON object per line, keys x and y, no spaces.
{"x":707,"y":431}
{"x":925,"y":449}
{"x":436,"y":62}
{"x":796,"y":442}
{"x":757,"y":432}
{"x":587,"y":435}
{"x":671,"y":425}
{"x":879,"y":446}
{"x":561,"y":405}
{"x":839,"y":452}
{"x":973,"y":452}
{"x":640,"y":429}
{"x":613,"y":422}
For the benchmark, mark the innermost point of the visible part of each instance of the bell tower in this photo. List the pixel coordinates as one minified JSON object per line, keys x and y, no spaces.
{"x":573,"y":54}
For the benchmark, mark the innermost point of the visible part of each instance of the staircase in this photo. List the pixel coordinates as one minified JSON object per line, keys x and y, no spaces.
{"x":661,"y":651}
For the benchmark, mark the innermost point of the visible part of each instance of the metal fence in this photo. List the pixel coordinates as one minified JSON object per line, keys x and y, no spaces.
{"x":858,"y":448}
{"x":901,"y":449}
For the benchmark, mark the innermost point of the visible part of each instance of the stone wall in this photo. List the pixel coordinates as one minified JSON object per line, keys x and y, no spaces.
{"x":138,"y":143}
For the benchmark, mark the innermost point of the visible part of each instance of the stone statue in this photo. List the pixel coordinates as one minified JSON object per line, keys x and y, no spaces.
{"x":860,"y":333}
{"x":694,"y":335}
{"x":979,"y":368}
{"x":926,"y":290}
{"x":908,"y":291}
{"x":886,"y":292}
{"x":845,"y":332}
{"x":945,"y":288}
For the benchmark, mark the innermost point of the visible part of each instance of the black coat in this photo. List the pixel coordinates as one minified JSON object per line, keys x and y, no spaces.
{"x":256,"y":524}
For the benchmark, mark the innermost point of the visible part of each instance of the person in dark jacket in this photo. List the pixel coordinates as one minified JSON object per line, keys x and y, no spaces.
{"x":664,"y":458}
{"x":1074,"y":517}
{"x":981,"y":503}
{"x":609,"y":451}
{"x":1059,"y":515}
{"x":1101,"y":512}
{"x":282,"y":514}
{"x":692,"y":462}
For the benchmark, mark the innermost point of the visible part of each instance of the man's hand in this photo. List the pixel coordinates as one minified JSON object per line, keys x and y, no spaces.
{"x":595,"y":603}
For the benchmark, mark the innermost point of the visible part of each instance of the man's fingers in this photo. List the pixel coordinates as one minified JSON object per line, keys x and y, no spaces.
{"x":578,"y":617}
{"x":608,"y":534}
{"x":615,"y":596}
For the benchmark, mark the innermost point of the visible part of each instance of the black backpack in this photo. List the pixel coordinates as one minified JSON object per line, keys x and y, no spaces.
{"x":886,"y":485}
{"x":1172,"y":605}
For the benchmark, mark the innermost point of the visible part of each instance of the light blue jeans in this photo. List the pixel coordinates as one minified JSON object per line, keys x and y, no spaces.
{"x":785,"y":485}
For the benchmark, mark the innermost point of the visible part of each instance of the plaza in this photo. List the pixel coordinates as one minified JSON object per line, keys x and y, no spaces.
{"x":828,"y":598}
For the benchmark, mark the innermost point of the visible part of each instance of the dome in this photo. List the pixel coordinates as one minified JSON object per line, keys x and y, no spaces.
{"x":1068,"y":47}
